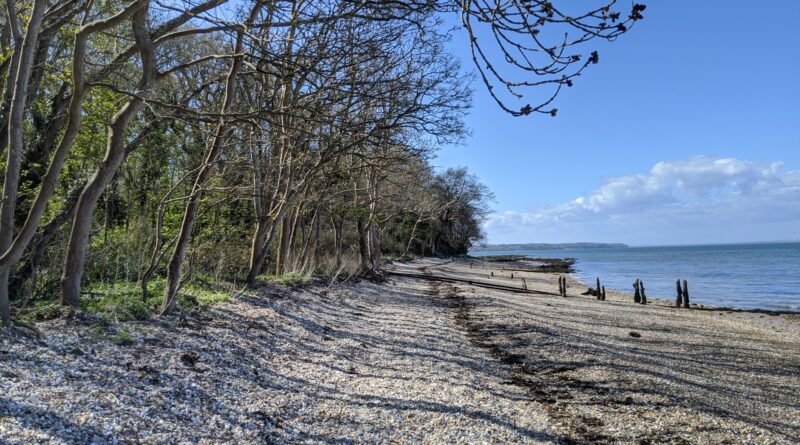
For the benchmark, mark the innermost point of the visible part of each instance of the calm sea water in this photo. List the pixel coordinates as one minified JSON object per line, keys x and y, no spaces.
{"x":747,"y":276}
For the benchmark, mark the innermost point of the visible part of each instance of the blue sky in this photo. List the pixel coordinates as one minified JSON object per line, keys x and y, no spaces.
{"x":687,"y":131}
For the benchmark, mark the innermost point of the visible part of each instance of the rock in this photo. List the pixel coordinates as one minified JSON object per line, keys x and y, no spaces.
{"x":634,"y":334}
{"x":190,"y":358}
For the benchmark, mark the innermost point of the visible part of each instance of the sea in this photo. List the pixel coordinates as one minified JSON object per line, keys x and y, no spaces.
{"x":744,"y":276}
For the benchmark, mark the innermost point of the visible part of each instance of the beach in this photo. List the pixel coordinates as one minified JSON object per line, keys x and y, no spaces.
{"x":426,"y":359}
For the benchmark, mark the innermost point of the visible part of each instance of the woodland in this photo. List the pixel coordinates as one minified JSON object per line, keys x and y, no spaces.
{"x":151,"y":148}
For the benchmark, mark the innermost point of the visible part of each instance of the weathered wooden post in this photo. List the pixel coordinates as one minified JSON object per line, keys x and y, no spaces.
{"x":685,"y":294}
{"x":560,"y":287}
{"x":512,"y":274}
{"x":491,"y":274}
{"x":679,"y":298}
{"x":637,"y":297}
{"x":599,"y":295}
{"x":524,"y":284}
{"x":644,"y":297}
{"x":604,"y":293}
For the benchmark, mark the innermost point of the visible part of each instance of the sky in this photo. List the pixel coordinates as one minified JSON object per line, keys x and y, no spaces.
{"x":686,"y":132}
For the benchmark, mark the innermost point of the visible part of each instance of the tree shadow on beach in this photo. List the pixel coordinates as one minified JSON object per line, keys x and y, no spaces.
{"x":671,"y":367}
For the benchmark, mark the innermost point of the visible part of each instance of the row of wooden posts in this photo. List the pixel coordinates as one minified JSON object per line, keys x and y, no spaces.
{"x":639,"y":295}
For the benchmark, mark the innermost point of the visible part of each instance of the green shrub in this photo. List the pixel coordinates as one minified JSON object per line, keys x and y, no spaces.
{"x":123,"y":338}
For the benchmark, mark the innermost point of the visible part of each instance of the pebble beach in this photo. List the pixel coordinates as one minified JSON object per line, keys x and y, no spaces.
{"x":411,"y":360}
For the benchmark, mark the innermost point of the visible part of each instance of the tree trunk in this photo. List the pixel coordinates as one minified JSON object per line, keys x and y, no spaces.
{"x":175,"y":266}
{"x":115,"y":153}
{"x":363,"y":249}
{"x":338,"y":229}
{"x":282,"y":258}
{"x":257,"y":253}
{"x":24,"y":51}
{"x":317,"y":230}
{"x":374,"y":248}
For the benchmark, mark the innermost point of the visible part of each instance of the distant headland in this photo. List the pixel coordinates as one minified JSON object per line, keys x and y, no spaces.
{"x":546,"y":246}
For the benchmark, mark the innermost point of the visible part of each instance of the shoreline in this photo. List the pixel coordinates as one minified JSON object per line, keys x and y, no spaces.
{"x":576,"y":279}
{"x":601,"y":367}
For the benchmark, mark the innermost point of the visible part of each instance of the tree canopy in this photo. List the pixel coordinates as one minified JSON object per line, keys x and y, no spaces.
{"x":149,"y":139}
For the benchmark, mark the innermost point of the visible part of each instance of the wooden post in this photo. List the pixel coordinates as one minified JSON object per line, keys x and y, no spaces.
{"x":679,"y":298}
{"x":560,"y":287}
{"x":512,"y":274}
{"x":598,"y":288}
{"x":524,"y":284}
{"x":637,"y":297}
{"x":685,"y":294}
{"x":644,"y":297}
{"x":604,"y":293}
{"x":492,"y":274}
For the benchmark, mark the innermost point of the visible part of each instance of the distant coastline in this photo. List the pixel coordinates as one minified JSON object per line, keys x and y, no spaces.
{"x":546,"y":246}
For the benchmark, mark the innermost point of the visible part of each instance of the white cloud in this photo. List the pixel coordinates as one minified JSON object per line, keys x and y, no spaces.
{"x":690,"y":200}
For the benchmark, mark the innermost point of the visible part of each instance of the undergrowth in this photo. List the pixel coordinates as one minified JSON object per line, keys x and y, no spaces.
{"x":121,"y":301}
{"x":288,"y":279}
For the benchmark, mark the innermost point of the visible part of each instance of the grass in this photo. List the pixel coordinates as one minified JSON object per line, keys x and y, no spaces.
{"x":288,"y":279}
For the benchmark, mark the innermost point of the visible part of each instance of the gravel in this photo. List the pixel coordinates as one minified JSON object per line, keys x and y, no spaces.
{"x":361,"y":363}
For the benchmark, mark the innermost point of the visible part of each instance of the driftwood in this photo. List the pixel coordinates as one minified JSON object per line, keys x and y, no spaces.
{"x":637,"y":296}
{"x":590,"y":291}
